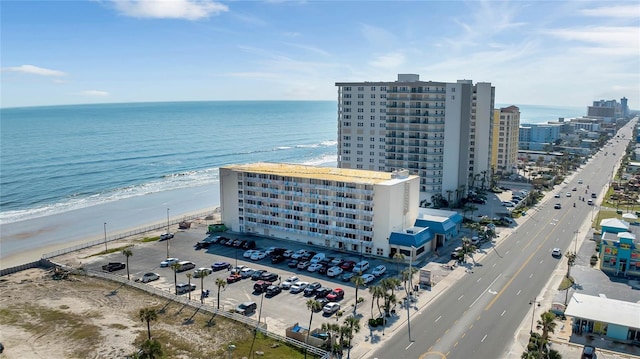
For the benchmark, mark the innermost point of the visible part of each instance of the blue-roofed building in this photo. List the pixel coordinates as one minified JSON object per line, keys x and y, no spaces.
{"x":431,"y":230}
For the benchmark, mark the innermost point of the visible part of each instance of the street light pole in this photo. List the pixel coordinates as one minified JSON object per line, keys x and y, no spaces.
{"x":105,"y":237}
{"x":534,"y":302}
{"x":168,"y":239}
{"x":410,"y":291}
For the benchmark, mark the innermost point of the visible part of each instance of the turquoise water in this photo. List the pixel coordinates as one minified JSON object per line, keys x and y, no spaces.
{"x":57,"y":159}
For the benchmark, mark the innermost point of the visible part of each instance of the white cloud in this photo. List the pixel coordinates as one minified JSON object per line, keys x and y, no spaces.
{"x":624,"y":11}
{"x":611,"y":40}
{"x":94,"y":93}
{"x":389,"y":61}
{"x":34,"y":70}
{"x":309,"y":48}
{"x":170,"y":9}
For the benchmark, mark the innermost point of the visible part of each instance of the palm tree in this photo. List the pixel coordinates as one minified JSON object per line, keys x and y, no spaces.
{"x":220,"y":283}
{"x":176,"y":267}
{"x":202,"y":274}
{"x":313,"y":306}
{"x":330,"y":329}
{"x":148,"y":315}
{"x":571,"y":260}
{"x":151,"y":349}
{"x":189,"y":275}
{"x":548,"y":324}
{"x":353,"y":324}
{"x":398,"y":257}
{"x":127,"y":253}
{"x":377,"y":292}
{"x":358,"y":282}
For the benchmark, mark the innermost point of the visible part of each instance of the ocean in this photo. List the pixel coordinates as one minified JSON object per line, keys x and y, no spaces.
{"x":126,"y":164}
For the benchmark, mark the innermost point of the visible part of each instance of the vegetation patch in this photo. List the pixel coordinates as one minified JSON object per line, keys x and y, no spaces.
{"x":566,"y":283}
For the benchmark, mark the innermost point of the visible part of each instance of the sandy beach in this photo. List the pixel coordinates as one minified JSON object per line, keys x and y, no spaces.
{"x":26,"y":241}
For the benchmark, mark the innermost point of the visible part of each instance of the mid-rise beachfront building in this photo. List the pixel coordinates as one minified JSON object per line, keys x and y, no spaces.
{"x":506,"y":124}
{"x":342,"y":209}
{"x":538,"y":136}
{"x":439,"y":131}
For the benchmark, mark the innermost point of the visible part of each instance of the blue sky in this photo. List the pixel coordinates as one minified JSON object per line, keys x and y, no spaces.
{"x":563,"y":53}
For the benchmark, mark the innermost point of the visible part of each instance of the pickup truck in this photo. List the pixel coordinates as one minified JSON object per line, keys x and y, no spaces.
{"x":113,"y":266}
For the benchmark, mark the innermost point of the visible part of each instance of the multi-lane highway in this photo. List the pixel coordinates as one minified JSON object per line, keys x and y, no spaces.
{"x":477,"y":318}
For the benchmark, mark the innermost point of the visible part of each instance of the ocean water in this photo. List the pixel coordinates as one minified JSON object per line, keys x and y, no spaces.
{"x":63,"y":158}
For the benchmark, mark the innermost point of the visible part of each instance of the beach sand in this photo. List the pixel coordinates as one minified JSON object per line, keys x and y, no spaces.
{"x":26,"y":241}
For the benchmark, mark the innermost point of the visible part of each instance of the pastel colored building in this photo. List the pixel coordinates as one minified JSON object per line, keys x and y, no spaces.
{"x":619,"y":248}
{"x":343,"y":209}
{"x":504,"y":150}
{"x":609,"y":319}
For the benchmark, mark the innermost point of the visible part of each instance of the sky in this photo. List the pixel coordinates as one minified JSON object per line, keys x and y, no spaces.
{"x":556,"y":53}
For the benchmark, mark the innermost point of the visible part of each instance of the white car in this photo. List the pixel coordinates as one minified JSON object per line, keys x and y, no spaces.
{"x":169,"y":261}
{"x":258,"y":256}
{"x":379,"y":270}
{"x":360,"y":267}
{"x":331,"y":308}
{"x":288,"y":253}
{"x":247,"y":272}
{"x":148,"y":277}
{"x":198,"y":272}
{"x":337,"y":261}
{"x":508,"y":204}
{"x":556,"y":253}
{"x":298,"y":286}
{"x":249,"y":253}
{"x":289,"y":282}
{"x":298,"y":254}
{"x":368,"y":278}
{"x":568,"y":194}
{"x":269,"y":250}
{"x":334,"y":271}
{"x":166,"y":235}
{"x":314,"y":267}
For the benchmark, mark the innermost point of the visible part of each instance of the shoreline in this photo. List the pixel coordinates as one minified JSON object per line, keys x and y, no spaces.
{"x":26,"y":241}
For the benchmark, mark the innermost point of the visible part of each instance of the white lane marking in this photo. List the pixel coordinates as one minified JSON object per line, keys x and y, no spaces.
{"x":504,"y":311}
{"x":438,"y":319}
{"x":410,"y":344}
{"x":494,"y":265}
{"x":486,"y":290}
{"x":519,"y":292}
{"x":460,"y":297}
{"x":530,"y":275}
{"x":483,"y":338}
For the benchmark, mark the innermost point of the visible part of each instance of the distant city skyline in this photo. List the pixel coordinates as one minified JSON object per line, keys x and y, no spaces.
{"x":557,"y":53}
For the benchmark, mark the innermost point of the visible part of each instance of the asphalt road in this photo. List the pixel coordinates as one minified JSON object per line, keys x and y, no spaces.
{"x":479,"y":316}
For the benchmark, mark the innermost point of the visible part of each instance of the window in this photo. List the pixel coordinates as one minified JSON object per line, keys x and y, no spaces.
{"x":373,"y":95}
{"x":360,"y":88}
{"x":373,"y":110}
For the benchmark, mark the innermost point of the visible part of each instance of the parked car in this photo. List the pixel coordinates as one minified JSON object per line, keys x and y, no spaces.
{"x":165,"y":236}
{"x":258,"y":256}
{"x":257,"y":274}
{"x":288,"y":253}
{"x":455,"y":254}
{"x":313,"y":267}
{"x":360,"y":267}
{"x":336,"y":261}
{"x":335,"y":295}
{"x":311,"y":288}
{"x":588,"y":352}
{"x":148,"y":277}
{"x":205,"y":243}
{"x":113,"y":266}
{"x":298,"y":287}
{"x":379,"y":270}
{"x":318,"y":257}
{"x":185,"y":266}
{"x":247,"y":272}
{"x":346,"y":277}
{"x":232,"y":278}
{"x":347,"y":265}
{"x":334,"y":272}
{"x":169,"y":261}
{"x":278,"y":258}
{"x":182,"y":288}
{"x":368,"y":278}
{"x":303,"y":265}
{"x":249,"y":244}
{"x":293,"y":263}
{"x":246,"y":308}
{"x":261,"y":286}
{"x":308,"y":255}
{"x":200,"y":271}
{"x":323,"y":292}
{"x":249,"y":253}
{"x":289,"y":282}
{"x":273,"y":290}
{"x":323,"y":269}
{"x":269,"y":277}
{"x":508,"y":204}
{"x":298,"y":254}
{"x":322,"y":302}
{"x":220,"y":266}
{"x":331,"y":308}
{"x":556,"y":253}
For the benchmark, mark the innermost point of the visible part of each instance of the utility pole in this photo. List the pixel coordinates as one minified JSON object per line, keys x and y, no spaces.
{"x":410,"y":291}
{"x":105,"y":237}
{"x":168,"y":239}
{"x":534,"y":302}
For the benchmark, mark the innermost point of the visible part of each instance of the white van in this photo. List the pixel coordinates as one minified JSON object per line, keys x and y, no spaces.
{"x":318,"y":257}
{"x":590,"y":202}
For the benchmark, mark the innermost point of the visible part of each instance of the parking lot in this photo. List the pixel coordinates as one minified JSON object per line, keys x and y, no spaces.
{"x":280,"y":311}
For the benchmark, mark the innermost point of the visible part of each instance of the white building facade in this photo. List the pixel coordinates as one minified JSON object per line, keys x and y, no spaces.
{"x":343,"y":209}
{"x":440,"y":131}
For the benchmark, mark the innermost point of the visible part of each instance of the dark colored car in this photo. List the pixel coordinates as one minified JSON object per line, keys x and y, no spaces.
{"x":278,"y":258}
{"x":323,"y":269}
{"x":261,"y":286}
{"x":347,"y":276}
{"x":113,"y":266}
{"x":588,"y":352}
{"x":308,"y":255}
{"x":278,"y":251}
{"x":239,"y":243}
{"x":311,"y":288}
{"x":219,"y":266}
{"x":293,"y":263}
{"x":323,"y":302}
{"x":322,"y":292}
{"x":335,"y":295}
{"x":269,"y":277}
{"x":273,"y":290}
{"x":257,"y":274}
{"x":348,"y":265}
{"x":249,"y":245}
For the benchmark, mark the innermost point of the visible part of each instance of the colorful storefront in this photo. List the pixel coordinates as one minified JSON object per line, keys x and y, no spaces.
{"x":619,"y":249}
